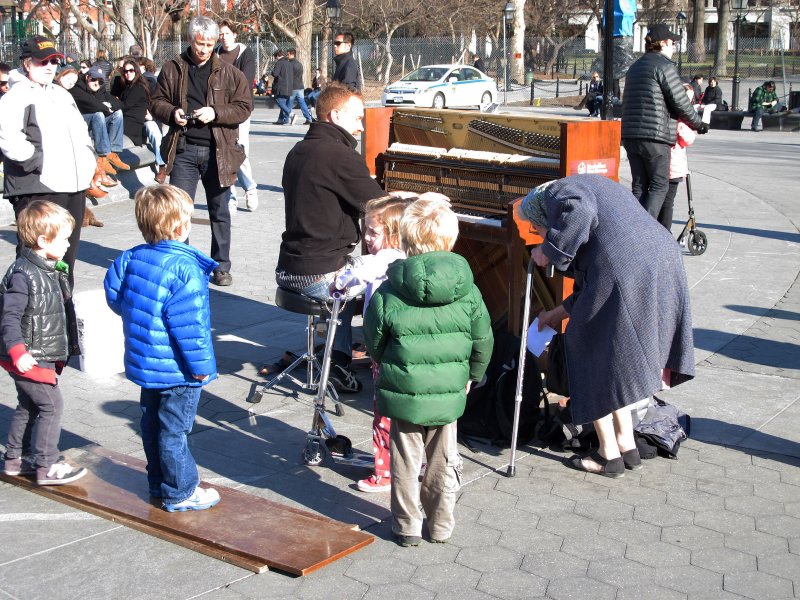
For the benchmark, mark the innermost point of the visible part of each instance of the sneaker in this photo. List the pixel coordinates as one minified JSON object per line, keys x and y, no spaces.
{"x":18,"y":466}
{"x":441,"y":541}
{"x":221,"y":278}
{"x":344,"y":380}
{"x":279,"y":123}
{"x":251,"y":199}
{"x":200,"y":500}
{"x":375,"y":483}
{"x":292,"y":118}
{"x":59,"y":473}
{"x":233,"y":207}
{"x":407,"y":541}
{"x":308,"y":122}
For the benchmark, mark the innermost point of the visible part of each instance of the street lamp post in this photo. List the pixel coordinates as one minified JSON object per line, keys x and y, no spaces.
{"x":508,"y":17}
{"x":333,"y":9}
{"x":739,"y":6}
{"x":681,"y":19}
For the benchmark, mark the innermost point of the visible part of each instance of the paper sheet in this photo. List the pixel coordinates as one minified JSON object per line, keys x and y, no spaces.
{"x":538,"y":340}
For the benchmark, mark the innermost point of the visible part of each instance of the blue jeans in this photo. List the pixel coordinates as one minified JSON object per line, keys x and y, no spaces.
{"x":297,"y":96}
{"x":106,"y":132}
{"x":198,"y":163}
{"x":313,"y":97}
{"x":285,"y":110}
{"x":167,"y":419}
{"x":244,"y":176}
{"x":153,"y":133}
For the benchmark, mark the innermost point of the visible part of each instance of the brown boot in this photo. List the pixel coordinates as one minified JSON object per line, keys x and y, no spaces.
{"x":96,"y":192}
{"x":161,"y":176}
{"x":107,"y":167}
{"x":115,"y":160}
{"x":89,"y":220}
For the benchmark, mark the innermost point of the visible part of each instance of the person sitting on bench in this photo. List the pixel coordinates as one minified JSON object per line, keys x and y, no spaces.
{"x":764,"y":100}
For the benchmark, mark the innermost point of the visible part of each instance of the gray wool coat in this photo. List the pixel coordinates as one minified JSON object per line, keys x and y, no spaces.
{"x":629,"y":312}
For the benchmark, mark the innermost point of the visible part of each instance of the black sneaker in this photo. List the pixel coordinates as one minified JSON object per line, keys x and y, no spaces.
{"x":407,"y":541}
{"x":344,"y":380}
{"x":221,"y":278}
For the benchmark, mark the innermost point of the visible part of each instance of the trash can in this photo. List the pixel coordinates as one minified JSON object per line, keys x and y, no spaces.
{"x":99,"y":335}
{"x":794,"y":100}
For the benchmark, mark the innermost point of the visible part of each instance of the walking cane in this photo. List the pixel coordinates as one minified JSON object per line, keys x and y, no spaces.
{"x":523,"y":350}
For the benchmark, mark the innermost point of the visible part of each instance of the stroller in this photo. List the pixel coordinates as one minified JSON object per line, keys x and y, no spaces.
{"x":696,"y":241}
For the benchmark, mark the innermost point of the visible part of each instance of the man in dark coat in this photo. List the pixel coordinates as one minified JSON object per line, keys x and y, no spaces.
{"x":282,"y":81}
{"x":478,"y":63}
{"x":654,"y":98}
{"x":298,"y":89}
{"x":326,"y":185}
{"x":629,"y":313}
{"x":346,"y":71}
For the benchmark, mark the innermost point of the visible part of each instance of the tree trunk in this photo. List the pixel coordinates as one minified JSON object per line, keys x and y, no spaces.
{"x":305,"y":30}
{"x":518,"y":43}
{"x":721,"y":51}
{"x":126,"y":37}
{"x":697,"y":45}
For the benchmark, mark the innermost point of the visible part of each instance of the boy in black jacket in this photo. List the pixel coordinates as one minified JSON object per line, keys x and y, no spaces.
{"x":33,"y":332}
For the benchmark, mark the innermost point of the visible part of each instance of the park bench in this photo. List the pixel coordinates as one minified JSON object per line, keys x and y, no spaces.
{"x":785,"y":121}
{"x":728,"y":119}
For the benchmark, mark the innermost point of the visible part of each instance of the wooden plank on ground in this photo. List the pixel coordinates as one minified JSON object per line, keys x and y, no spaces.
{"x":250,"y":532}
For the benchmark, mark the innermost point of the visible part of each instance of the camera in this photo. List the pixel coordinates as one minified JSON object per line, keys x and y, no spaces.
{"x":191,"y":121}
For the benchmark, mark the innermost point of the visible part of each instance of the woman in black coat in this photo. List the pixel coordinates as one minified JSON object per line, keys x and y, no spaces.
{"x":712,"y":99}
{"x":134,"y":93}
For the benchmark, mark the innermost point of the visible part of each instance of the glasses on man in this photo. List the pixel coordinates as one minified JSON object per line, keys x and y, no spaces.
{"x":48,"y":61}
{"x":3,"y":82}
{"x":339,"y":42}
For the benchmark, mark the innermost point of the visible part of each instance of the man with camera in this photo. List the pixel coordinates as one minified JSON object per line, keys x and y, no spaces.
{"x":204,"y":100}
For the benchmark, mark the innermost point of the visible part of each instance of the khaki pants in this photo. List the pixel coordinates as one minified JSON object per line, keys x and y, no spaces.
{"x":411,"y":445}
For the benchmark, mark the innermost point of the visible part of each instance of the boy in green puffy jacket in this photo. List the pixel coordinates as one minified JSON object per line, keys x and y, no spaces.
{"x":430,"y":331}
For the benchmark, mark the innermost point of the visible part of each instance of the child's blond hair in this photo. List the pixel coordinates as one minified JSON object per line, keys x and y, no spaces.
{"x":160,"y":210}
{"x":42,"y":217}
{"x":388,"y":210}
{"x":428,"y":225}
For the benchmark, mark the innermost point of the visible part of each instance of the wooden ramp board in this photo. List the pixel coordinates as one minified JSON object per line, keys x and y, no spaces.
{"x":244,"y":530}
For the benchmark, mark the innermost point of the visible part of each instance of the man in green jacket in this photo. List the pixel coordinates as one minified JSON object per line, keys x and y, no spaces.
{"x":430,"y":331}
{"x":763,"y":100}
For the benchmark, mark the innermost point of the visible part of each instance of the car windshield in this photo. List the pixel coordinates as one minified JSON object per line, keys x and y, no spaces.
{"x":426,"y":74}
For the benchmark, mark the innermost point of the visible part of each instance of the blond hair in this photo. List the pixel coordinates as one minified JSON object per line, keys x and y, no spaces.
{"x":160,"y":210}
{"x":388,"y":211}
{"x":428,"y":225}
{"x":42,"y":217}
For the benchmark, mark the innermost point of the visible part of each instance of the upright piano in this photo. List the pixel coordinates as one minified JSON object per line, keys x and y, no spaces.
{"x":486,"y":164}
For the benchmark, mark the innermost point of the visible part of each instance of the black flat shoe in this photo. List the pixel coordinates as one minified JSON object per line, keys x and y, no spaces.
{"x":632,"y":460}
{"x":594,"y":463}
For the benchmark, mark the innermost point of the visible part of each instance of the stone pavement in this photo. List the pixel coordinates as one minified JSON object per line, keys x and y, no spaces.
{"x":722,"y":521}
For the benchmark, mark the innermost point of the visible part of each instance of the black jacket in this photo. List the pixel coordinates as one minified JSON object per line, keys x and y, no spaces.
{"x":245,"y":62}
{"x":347,"y":71}
{"x":283,"y":78}
{"x":713,"y":95}
{"x":297,"y":75}
{"x":325,"y":185}
{"x":90,"y":102}
{"x":32,"y":296}
{"x":135,"y":102}
{"x":654,"y":97}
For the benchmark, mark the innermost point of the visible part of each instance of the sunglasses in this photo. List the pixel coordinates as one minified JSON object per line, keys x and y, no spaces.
{"x":94,"y":80}
{"x":339,"y":43}
{"x":48,"y":61}
{"x":129,"y":71}
{"x":3,"y":81}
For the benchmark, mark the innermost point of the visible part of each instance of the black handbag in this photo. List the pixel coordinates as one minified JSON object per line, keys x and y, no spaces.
{"x":557,"y":380}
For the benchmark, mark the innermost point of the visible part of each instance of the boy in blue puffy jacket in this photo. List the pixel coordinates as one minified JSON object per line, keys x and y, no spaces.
{"x":160,"y":289}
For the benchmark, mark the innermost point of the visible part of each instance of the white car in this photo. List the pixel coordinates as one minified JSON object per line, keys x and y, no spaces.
{"x":441,"y":86}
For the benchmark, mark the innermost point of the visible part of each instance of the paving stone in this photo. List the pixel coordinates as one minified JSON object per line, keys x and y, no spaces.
{"x":689,"y":579}
{"x":792,"y":508}
{"x":426,"y":553}
{"x":780,"y":492}
{"x":513,"y":584}
{"x":783,"y":525}
{"x":794,"y":545}
{"x":505,"y":520}
{"x":473,"y":534}
{"x":649,"y":592}
{"x":531,"y":542}
{"x":782,"y":565}
{"x":580,"y":490}
{"x":488,"y":500}
{"x":755,"y":506}
{"x":319,"y":587}
{"x":758,"y":585}
{"x":620,"y":572}
{"x":468,"y":594}
{"x":499,"y":559}
{"x":692,"y":537}
{"x":724,"y":521}
{"x":445,"y":577}
{"x":572,"y":588}
{"x":723,"y":560}
{"x":378,"y":571}
{"x":631,"y":532}
{"x":658,"y":554}
{"x":669,"y":482}
{"x":569,"y":525}
{"x":545,"y":504}
{"x":663,"y":516}
{"x":278,"y":584}
{"x":553,"y":565}
{"x":752,"y":473}
{"x":722,"y":486}
{"x":638,"y":496}
{"x":725,"y":457}
{"x":696,"y":500}
{"x":696,"y":469}
{"x":522,"y":486}
{"x":603,"y":509}
{"x":757,"y":543}
{"x":395,"y":591}
{"x":593,"y":547}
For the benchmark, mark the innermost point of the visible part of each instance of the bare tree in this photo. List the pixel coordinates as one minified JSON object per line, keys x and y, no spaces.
{"x":697,"y":35}
{"x":721,"y":50}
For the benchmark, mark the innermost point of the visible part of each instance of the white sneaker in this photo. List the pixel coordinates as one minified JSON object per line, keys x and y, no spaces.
{"x":200,"y":500}
{"x":251,"y":198}
{"x":292,"y":118}
{"x":233,"y":207}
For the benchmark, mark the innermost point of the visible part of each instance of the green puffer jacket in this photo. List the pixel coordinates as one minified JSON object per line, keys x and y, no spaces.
{"x":429,"y":329}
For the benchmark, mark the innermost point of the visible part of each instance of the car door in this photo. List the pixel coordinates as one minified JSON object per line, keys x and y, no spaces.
{"x":453,"y":87}
{"x":472,"y":87}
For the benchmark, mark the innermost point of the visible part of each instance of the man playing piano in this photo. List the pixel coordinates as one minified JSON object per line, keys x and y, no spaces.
{"x":326,"y":185}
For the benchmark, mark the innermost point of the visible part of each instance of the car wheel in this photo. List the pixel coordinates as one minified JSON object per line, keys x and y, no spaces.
{"x":486,"y":98}
{"x":438,"y":100}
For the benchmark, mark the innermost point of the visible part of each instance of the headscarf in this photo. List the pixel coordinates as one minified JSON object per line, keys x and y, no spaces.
{"x":533,"y":207}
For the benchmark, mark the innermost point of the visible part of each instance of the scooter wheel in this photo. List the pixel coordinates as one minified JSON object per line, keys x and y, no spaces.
{"x":698,"y":242}
{"x":312,"y":454}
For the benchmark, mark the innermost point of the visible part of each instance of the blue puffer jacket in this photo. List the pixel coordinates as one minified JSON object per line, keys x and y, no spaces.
{"x":161,"y":293}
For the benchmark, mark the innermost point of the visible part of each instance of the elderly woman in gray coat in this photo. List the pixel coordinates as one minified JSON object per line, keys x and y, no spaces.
{"x":629,"y":314}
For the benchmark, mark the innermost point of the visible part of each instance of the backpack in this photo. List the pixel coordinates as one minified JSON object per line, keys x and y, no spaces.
{"x":489,"y":413}
{"x":557,"y":379}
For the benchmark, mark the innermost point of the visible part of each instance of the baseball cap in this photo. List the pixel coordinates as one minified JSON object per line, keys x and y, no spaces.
{"x":40,"y":48}
{"x":660,"y":32}
{"x":96,"y":72}
{"x":135,"y":50}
